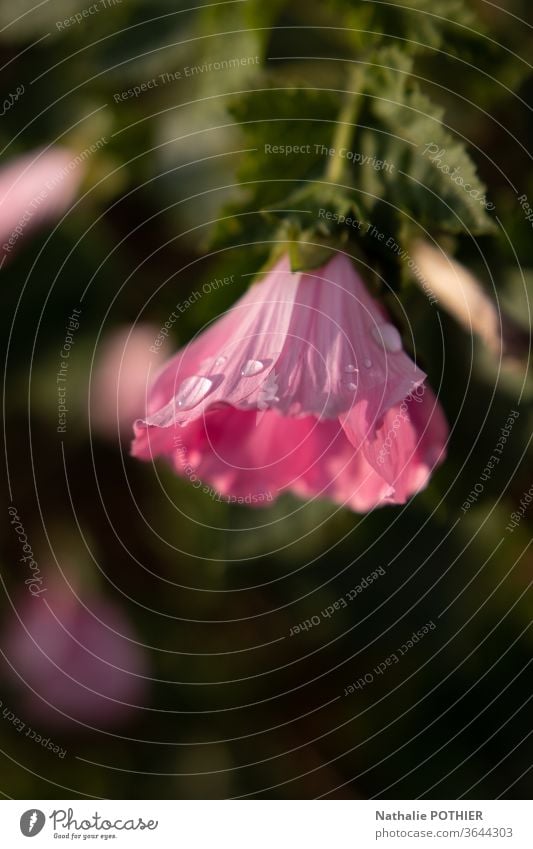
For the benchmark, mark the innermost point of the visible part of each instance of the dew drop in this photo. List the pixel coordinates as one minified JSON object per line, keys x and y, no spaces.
{"x":351,"y":368}
{"x":252,"y":367}
{"x":220,"y":361}
{"x":352,"y":386}
{"x":267,"y":392}
{"x":192,"y":391}
{"x":388,"y":336}
{"x":368,"y":363}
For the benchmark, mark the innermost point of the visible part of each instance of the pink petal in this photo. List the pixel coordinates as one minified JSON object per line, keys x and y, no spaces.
{"x":122,"y":372}
{"x":312,"y":335}
{"x":77,"y":662}
{"x":297,"y":387}
{"x":406,"y":444}
{"x":243,"y":458}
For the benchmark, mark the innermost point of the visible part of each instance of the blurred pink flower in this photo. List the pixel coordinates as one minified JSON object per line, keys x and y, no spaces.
{"x":123,"y":370}
{"x":303,"y":385}
{"x":81,"y":660}
{"x":34,"y":189}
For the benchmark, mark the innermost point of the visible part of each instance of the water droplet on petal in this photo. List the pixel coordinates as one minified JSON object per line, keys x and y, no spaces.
{"x":192,"y":391}
{"x":352,"y":386}
{"x":220,"y":361}
{"x":252,"y":367}
{"x":367,"y":363}
{"x":351,"y":368}
{"x":388,"y":336}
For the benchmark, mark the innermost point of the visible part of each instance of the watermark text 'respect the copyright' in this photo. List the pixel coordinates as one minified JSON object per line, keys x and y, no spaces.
{"x":492,"y":462}
{"x":354,"y":156}
{"x":64,"y":364}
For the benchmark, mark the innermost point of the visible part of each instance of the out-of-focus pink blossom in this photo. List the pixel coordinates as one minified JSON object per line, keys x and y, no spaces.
{"x":75,"y":661}
{"x":124,"y":368}
{"x":34,"y":189}
{"x":303,"y":385}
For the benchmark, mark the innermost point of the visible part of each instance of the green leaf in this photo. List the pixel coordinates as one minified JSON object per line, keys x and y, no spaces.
{"x":400,"y":168}
{"x":416,"y":24}
{"x":286,"y":131}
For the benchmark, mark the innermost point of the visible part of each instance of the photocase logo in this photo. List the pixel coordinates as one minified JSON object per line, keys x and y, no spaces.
{"x":32,"y":822}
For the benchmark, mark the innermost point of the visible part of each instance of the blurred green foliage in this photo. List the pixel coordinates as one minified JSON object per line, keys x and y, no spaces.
{"x":237,"y":706}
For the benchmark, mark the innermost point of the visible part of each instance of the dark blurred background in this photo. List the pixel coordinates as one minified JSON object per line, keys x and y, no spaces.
{"x":162,"y":665}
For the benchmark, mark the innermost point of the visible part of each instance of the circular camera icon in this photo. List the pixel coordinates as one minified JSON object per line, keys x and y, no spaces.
{"x":32,"y":822}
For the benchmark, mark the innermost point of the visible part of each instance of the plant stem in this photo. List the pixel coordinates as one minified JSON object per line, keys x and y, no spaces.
{"x":345,"y":125}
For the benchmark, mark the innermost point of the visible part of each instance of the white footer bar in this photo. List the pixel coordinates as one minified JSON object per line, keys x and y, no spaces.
{"x":267,"y":824}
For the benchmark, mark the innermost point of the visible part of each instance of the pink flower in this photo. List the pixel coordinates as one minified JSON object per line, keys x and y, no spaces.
{"x":304,"y":386}
{"x":34,"y":189}
{"x":123,"y":370}
{"x":75,"y":661}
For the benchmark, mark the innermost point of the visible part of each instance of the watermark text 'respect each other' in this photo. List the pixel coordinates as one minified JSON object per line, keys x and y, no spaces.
{"x":48,"y":188}
{"x":30,"y":733}
{"x":340,"y":604}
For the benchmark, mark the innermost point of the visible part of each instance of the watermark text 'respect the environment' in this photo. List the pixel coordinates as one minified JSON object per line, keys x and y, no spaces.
{"x":47,"y":190}
{"x":184,"y":73}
